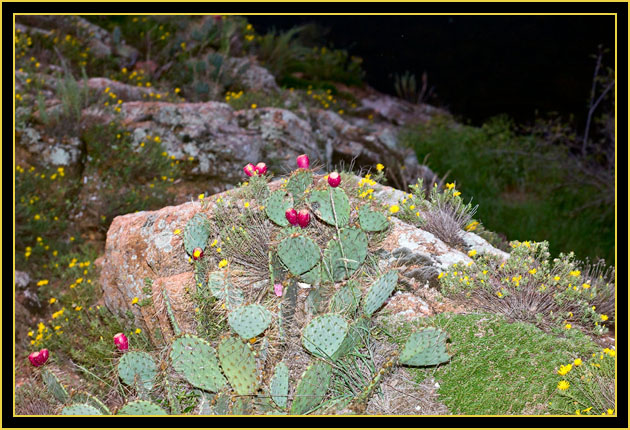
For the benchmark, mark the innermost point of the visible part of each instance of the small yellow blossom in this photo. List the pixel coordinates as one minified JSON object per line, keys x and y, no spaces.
{"x":472,"y":252}
{"x":52,"y":300}
{"x":223,"y":263}
{"x":563,"y":385}
{"x":201,"y":196}
{"x":603,"y":317}
{"x":254,"y":106}
{"x":78,"y":308}
{"x":42,"y":282}
{"x":394,"y":208}
{"x":138,"y":331}
{"x":379,"y":167}
{"x":134,"y":300}
{"x":575,"y":273}
{"x":568,"y":326}
{"x":441,"y":275}
{"x":500,"y":294}
{"x":177,"y":231}
{"x":577,"y":362}
{"x":457,"y":193}
{"x":450,"y":186}
{"x":533,"y":271}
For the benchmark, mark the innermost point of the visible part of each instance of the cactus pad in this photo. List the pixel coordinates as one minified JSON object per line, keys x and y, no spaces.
{"x":298,"y":253}
{"x":298,"y":182}
{"x":324,"y":335}
{"x":426,"y":347}
{"x":239,"y":365}
{"x":324,"y":201}
{"x":249,"y":321}
{"x":355,"y":244}
{"x":90,"y":400}
{"x":141,"y":407}
{"x":276,"y":207}
{"x":80,"y":409}
{"x":137,"y":366}
{"x":196,"y":233}
{"x":312,"y":388}
{"x":279,"y":385}
{"x":222,"y":289}
{"x":372,"y":221}
{"x":196,"y":360}
{"x":346,"y":299}
{"x":55,"y":387}
{"x":379,"y":291}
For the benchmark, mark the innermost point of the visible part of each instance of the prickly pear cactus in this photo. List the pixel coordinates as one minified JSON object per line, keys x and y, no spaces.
{"x":221,"y":404}
{"x":242,"y":406}
{"x":55,"y":387}
{"x":331,"y":204}
{"x":312,"y":388}
{"x":276,"y":207}
{"x":279,"y":385}
{"x":298,"y":253}
{"x":196,"y":233}
{"x":80,"y":409}
{"x":352,"y":245}
{"x":346,"y":299}
{"x":249,"y":321}
{"x":372,"y":221}
{"x":90,"y":400}
{"x":137,"y":366}
{"x":223,"y":289}
{"x":324,"y":335}
{"x":141,"y":407}
{"x":298,"y":182}
{"x":239,"y":365}
{"x":196,"y":360}
{"x":379,"y":291}
{"x":426,"y":347}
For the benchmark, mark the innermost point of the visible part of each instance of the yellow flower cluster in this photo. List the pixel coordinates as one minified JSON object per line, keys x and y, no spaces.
{"x":366,"y":182}
{"x":231,"y":95}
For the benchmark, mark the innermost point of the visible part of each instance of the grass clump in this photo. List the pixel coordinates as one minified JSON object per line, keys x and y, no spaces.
{"x":496,"y":368}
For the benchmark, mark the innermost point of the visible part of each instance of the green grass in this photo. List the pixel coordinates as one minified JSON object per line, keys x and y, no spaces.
{"x":496,"y":368}
{"x":518,"y":194}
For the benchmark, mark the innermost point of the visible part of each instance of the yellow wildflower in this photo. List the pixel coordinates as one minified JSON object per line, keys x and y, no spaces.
{"x":472,"y":252}
{"x":394,"y":208}
{"x":379,"y":167}
{"x":138,"y":331}
{"x":575,"y":273}
{"x":134,"y":300}
{"x":223,"y":263}
{"x":457,"y":193}
{"x":603,"y":317}
{"x":42,"y":282}
{"x":450,"y":186}
{"x":52,"y":300}
{"x":577,"y":362}
{"x":563,"y":385}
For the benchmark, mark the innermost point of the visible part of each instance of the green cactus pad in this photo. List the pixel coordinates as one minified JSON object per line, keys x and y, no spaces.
{"x":379,"y":291}
{"x":90,"y":400}
{"x":355,"y":244}
{"x":80,"y":409}
{"x":323,"y":205}
{"x":196,"y":360}
{"x":242,"y":406}
{"x":196,"y":233}
{"x":426,"y":347}
{"x":141,"y":407}
{"x":312,"y":388}
{"x":249,"y":321}
{"x":239,"y":365}
{"x":298,"y":182}
{"x":276,"y":207}
{"x":137,"y":366}
{"x":356,"y":331}
{"x":346,"y":299}
{"x":372,"y":221}
{"x":313,"y":276}
{"x":222,"y":289}
{"x":324,"y":335}
{"x":298,"y":253}
{"x":221,"y":404}
{"x":279,"y":385}
{"x":55,"y":387}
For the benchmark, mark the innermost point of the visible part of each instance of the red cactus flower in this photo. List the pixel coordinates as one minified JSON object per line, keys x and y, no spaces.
{"x":292,"y":216}
{"x":304,"y":218}
{"x":334,"y":179}
{"x":121,"y":341}
{"x":197,"y":253}
{"x":303,"y":161}
{"x":38,"y":358}
{"x":44,"y":355}
{"x":249,"y":170}
{"x":261,"y":168}
{"x":277,"y":288}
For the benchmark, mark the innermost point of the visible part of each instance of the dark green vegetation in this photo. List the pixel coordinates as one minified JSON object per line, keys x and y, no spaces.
{"x":526,"y":190}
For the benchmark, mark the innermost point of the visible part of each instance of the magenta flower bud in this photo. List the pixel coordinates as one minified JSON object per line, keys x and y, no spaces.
{"x":277,"y":288}
{"x":334,"y":179}
{"x":121,"y":341}
{"x":303,"y":161}
{"x":249,"y":169}
{"x":261,"y":168}
{"x":303,"y":218}
{"x":36,"y":358}
{"x":292,"y":216}
{"x":197,"y":253}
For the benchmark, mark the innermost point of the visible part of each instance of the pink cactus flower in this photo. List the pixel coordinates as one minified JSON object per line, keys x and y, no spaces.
{"x":292,"y":216}
{"x":249,"y":170}
{"x":334,"y":179}
{"x":261,"y":168}
{"x":303,"y":218}
{"x":121,"y":341}
{"x":277,"y":288}
{"x":197,"y":253}
{"x":303,"y":162}
{"x":38,"y":358}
